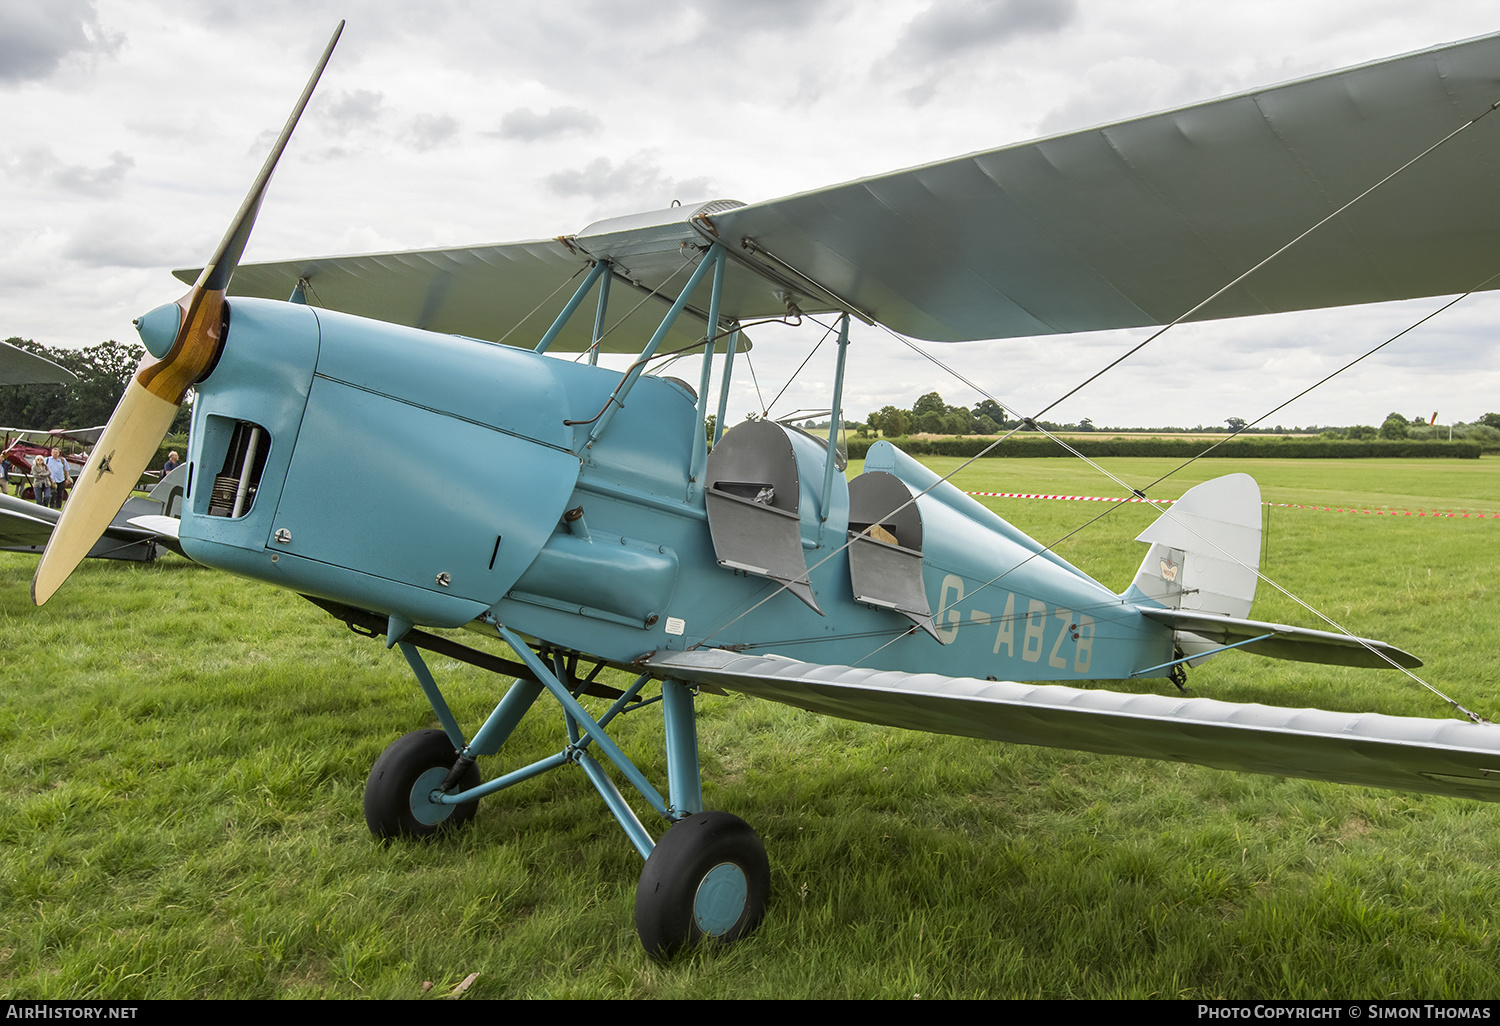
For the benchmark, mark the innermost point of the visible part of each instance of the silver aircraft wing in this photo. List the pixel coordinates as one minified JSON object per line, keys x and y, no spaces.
{"x":1124,"y":225}
{"x":511,"y":291}
{"x":1134,"y":223}
{"x":26,"y":527}
{"x":1452,"y":757}
{"x":18,"y":367}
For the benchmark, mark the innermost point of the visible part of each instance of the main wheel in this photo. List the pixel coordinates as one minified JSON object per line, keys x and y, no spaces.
{"x":707,"y":877}
{"x":397,"y":795}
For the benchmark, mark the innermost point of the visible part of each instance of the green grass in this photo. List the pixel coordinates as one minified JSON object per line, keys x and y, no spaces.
{"x":182,"y":757}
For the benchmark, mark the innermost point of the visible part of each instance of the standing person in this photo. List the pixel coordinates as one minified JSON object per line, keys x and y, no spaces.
{"x":41,"y":482}
{"x":57,"y":469}
{"x":171,"y":463}
{"x":67,"y":484}
{"x":5,"y":474}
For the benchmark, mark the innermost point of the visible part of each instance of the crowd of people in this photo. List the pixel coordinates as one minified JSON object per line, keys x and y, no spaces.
{"x":50,"y":476}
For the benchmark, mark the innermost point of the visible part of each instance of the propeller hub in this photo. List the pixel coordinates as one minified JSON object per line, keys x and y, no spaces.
{"x":158,"y":329}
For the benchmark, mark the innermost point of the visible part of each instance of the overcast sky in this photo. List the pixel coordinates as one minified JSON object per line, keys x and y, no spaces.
{"x":130,"y":130}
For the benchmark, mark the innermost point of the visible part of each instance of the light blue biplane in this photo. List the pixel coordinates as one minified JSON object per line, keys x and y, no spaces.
{"x":593,"y":526}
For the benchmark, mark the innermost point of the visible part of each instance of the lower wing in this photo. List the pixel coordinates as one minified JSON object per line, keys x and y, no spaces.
{"x":1452,"y":757}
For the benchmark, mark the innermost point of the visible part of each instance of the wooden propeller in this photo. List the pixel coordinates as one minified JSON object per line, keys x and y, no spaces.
{"x":151,"y":400}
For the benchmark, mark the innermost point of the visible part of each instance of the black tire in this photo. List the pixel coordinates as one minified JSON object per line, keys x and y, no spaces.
{"x":406,"y":773}
{"x":708,"y":877}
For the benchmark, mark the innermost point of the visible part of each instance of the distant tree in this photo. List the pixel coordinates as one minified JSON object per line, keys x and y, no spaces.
{"x":991,"y":409}
{"x":1395,"y":427}
{"x":708,"y":427}
{"x":1491,"y":420}
{"x":933,"y":423}
{"x":929,"y":403}
{"x":1085,"y":424}
{"x":1236,"y":423}
{"x":1362,"y":432}
{"x":894,"y":422}
{"x":986,"y":425}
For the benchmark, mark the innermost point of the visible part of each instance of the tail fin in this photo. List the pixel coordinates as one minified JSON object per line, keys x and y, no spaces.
{"x":1205,"y":551}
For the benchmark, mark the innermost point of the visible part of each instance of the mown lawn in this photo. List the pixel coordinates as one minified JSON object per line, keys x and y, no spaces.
{"x":182,"y":757}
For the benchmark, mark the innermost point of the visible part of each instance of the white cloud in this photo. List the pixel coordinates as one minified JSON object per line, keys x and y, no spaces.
{"x":37,"y":36}
{"x":525,"y":123}
{"x":636,"y":180}
{"x":431,"y":130}
{"x":675,"y":100}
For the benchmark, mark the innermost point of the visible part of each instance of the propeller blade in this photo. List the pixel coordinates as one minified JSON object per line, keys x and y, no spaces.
{"x":135,"y":431}
{"x":149,"y":405}
{"x":220,"y":267}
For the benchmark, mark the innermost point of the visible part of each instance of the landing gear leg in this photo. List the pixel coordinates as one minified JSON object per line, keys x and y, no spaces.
{"x":708,"y":876}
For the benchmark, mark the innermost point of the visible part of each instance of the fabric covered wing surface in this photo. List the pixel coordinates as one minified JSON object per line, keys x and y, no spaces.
{"x":514,"y":290}
{"x":1125,"y":225}
{"x":1135,"y":223}
{"x":1452,"y":757}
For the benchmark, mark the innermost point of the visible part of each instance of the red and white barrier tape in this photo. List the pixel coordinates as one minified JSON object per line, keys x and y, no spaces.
{"x":1285,"y":505}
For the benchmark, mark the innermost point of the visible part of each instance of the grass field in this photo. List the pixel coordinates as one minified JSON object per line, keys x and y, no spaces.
{"x":182,"y":757}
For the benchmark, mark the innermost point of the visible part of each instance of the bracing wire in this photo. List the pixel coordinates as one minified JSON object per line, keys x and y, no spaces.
{"x":1167,"y":511}
{"x":755,"y":380}
{"x":1116,"y":362}
{"x":766,"y":410}
{"x":1323,"y":381}
{"x":1304,"y":234}
{"x":543,"y":303}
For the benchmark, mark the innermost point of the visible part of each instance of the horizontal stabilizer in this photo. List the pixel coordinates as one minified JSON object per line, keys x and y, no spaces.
{"x":1299,"y":643}
{"x":1452,"y":757}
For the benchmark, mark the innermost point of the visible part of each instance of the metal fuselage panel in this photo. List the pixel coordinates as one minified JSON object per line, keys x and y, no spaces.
{"x":427,"y":475}
{"x":417,"y":474}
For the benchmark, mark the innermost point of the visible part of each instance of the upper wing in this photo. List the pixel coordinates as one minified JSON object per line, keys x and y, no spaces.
{"x":18,"y":367}
{"x":1125,"y":225}
{"x":1451,"y":757}
{"x":512,"y":291}
{"x":1134,"y":223}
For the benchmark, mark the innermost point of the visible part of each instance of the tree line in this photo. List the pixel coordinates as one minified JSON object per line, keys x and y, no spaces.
{"x":930,"y":415}
{"x":103,"y":372}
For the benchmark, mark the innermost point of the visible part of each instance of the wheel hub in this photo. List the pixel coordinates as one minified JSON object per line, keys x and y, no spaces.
{"x":720,"y":900}
{"x":423,"y":808}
